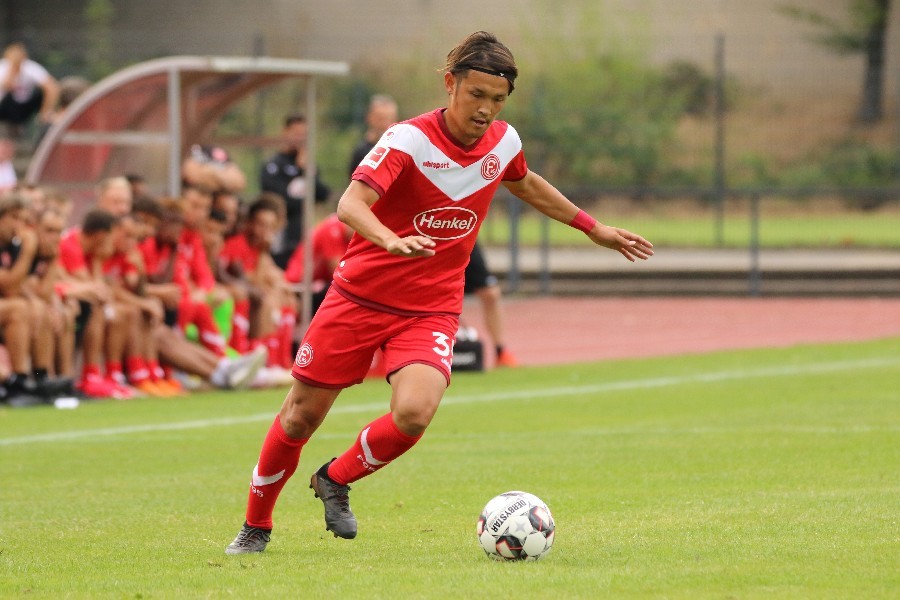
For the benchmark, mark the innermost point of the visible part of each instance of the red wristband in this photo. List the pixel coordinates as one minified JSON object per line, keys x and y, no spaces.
{"x":583,"y":222}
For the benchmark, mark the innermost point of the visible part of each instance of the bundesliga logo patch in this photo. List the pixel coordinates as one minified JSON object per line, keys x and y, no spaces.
{"x":375,"y":157}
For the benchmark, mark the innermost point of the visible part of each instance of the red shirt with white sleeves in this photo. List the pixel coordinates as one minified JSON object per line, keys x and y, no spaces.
{"x":428,"y":184}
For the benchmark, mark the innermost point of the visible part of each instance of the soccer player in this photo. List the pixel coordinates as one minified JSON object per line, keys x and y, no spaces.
{"x":416,"y":202}
{"x":382,"y":113}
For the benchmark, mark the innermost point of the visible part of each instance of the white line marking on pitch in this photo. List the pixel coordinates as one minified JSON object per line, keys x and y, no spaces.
{"x":631,"y":384}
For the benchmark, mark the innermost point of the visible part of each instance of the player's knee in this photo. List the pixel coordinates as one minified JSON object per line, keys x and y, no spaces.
{"x":298,"y":423}
{"x":413,"y":420}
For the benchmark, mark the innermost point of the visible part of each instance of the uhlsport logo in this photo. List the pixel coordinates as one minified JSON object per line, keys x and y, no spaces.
{"x":447,"y":223}
{"x":304,"y":356}
{"x":490,"y":167}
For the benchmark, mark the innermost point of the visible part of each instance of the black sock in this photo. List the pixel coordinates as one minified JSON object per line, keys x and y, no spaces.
{"x":323,"y":471}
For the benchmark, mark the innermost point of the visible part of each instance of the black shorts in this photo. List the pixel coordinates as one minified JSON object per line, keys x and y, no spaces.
{"x":477,"y":275}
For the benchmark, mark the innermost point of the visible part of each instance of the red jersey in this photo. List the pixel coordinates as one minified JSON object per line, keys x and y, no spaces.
{"x":330,"y":239}
{"x":120,"y":268}
{"x":428,"y":184}
{"x":238,"y":250}
{"x":192,"y":252}
{"x":157,"y":259}
{"x":71,"y":253}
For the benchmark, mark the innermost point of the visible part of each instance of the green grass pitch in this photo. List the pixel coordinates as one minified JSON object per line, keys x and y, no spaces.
{"x":751,"y":474}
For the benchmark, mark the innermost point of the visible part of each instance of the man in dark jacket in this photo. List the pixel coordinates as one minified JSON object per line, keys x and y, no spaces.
{"x":285,"y":174}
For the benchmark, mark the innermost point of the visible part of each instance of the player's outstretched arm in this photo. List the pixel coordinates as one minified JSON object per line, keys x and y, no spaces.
{"x":354,"y":209}
{"x":539,"y":193}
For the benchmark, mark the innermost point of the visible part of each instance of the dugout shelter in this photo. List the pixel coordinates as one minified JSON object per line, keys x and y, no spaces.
{"x":144,"y":118}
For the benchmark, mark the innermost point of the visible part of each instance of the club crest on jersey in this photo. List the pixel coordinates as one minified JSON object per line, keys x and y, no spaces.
{"x":304,"y":356}
{"x":375,"y":156}
{"x":447,"y":223}
{"x":490,"y":167}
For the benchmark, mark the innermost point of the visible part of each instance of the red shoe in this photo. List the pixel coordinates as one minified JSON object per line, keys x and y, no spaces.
{"x":121,"y":391}
{"x":96,"y":388}
{"x":507,"y":359}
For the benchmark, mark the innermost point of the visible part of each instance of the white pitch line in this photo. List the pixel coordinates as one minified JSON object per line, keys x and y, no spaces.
{"x":631,"y":384}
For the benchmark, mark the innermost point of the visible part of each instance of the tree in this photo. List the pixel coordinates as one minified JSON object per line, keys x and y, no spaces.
{"x":864,"y":35}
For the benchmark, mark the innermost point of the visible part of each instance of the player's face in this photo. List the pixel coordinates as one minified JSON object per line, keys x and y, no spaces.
{"x":228,"y":204}
{"x":381,"y":116}
{"x":475,"y":101}
{"x":49,"y":232}
{"x":104,"y":243}
{"x":126,"y":235}
{"x":295,"y":135}
{"x":10,"y":223}
{"x":196,"y":207}
{"x":116,"y":199}
{"x":213,"y":237}
{"x":146,"y":225}
{"x":261,"y":229}
{"x":169,"y":232}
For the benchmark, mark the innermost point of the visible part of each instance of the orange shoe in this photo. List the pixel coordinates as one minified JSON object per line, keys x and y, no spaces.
{"x":171,"y":386}
{"x":150,"y":388}
{"x":506,"y":359}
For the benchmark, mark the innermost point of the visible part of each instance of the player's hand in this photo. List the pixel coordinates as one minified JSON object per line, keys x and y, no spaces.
{"x":628,"y":244}
{"x":412,"y":246}
{"x":28,"y":241}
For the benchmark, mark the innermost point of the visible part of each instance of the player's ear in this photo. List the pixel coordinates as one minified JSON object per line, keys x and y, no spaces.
{"x":449,"y":82}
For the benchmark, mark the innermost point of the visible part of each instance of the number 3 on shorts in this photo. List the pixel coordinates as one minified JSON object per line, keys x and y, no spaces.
{"x":444,"y":347}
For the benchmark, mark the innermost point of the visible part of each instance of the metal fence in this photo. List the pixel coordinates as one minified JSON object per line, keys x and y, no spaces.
{"x":778,"y":166}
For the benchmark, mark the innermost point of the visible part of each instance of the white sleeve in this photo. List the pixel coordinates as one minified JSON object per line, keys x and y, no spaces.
{"x":35,"y":72}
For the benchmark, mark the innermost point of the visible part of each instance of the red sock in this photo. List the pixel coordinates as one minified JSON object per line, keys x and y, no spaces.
{"x":200,"y":314}
{"x":114,"y":371}
{"x":137,"y":369}
{"x":156,"y":371}
{"x":273,"y":345}
{"x":91,"y":371}
{"x":277,"y":462}
{"x":240,"y":327}
{"x":210,"y":336}
{"x":377,"y":445}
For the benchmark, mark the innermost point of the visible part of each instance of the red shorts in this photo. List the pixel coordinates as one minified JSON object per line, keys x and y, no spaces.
{"x":342,"y":338}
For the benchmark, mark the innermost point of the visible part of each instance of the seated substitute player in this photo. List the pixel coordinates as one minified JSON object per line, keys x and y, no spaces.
{"x":329,"y":241}
{"x":272,"y":314}
{"x":416,"y":203}
{"x":56,"y":332}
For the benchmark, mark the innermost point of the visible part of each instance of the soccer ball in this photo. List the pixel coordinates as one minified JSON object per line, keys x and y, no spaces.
{"x":516,"y":526}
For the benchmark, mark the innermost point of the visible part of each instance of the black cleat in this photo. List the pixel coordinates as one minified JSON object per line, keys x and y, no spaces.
{"x":339,"y":518}
{"x":249,"y":539}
